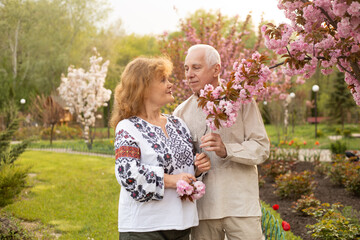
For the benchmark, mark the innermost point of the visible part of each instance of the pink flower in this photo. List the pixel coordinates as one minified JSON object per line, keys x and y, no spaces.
{"x":192,"y":191}
{"x":189,"y":189}
{"x":181,"y":186}
{"x":354,"y":9}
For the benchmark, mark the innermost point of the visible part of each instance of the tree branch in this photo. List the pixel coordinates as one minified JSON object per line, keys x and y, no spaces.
{"x":276,"y":65}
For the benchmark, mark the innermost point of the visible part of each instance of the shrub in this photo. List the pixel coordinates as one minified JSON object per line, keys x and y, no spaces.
{"x":352,"y":178}
{"x":261,"y":181}
{"x":306,"y":201}
{"x":338,"y":131}
{"x":337,"y":173}
{"x":10,"y":228}
{"x":24,"y":133}
{"x":321,"y":168}
{"x":347,"y":133}
{"x":62,"y":132}
{"x":319,"y":133}
{"x":12,"y":181}
{"x":331,"y":224}
{"x":338,"y":147}
{"x":279,"y":162}
{"x":293,"y":185}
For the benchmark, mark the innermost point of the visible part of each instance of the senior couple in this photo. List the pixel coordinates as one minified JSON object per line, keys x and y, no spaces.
{"x":154,"y":151}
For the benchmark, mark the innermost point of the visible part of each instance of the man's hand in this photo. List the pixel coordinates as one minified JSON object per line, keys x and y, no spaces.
{"x":202,"y":163}
{"x":213,"y":142}
{"x":171,"y":180}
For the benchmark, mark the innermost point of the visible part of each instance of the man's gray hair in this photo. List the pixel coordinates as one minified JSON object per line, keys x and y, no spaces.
{"x":212,"y":56}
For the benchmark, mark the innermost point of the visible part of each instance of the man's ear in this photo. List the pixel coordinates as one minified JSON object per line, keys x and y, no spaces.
{"x":217,"y":69}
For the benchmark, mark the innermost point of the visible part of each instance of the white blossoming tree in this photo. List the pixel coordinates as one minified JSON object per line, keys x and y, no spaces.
{"x":84,"y":92}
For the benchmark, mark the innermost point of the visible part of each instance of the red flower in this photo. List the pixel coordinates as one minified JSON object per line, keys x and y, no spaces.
{"x":286,"y":226}
{"x":304,"y":142}
{"x":275,"y":207}
{"x":317,"y":143}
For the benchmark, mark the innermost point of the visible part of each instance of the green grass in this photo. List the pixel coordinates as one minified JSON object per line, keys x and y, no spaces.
{"x":75,"y":194}
{"x":104,"y":146}
{"x":307,"y":133}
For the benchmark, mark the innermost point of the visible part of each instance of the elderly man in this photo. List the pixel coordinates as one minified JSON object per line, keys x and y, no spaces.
{"x":231,"y":204}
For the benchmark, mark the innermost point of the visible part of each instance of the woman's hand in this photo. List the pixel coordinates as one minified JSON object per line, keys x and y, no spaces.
{"x":202,"y":163}
{"x":171,"y":180}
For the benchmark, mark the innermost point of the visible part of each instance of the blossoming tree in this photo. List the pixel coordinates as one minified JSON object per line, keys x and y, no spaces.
{"x":322,"y":33}
{"x":227,"y":35}
{"x":84,"y":92}
{"x":231,"y":38}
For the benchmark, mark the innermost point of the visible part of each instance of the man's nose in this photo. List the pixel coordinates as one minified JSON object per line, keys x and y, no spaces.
{"x":189,"y":74}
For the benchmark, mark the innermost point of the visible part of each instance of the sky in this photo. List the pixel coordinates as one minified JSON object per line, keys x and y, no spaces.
{"x":156,"y":16}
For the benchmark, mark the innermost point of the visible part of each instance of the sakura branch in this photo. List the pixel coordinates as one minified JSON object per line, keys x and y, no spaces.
{"x":322,"y":33}
{"x":222,"y":103}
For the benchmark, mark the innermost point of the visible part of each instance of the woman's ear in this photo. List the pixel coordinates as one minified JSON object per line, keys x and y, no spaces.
{"x":217,"y":69}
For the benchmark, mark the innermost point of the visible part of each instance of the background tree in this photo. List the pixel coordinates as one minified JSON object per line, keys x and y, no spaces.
{"x":228,"y":35}
{"x":47,"y":111}
{"x":234,"y":40}
{"x":84,"y":93}
{"x":340,"y":101}
{"x":38,"y":39}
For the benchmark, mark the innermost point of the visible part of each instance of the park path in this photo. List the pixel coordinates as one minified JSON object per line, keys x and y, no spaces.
{"x":304,"y":154}
{"x":65,"y":150}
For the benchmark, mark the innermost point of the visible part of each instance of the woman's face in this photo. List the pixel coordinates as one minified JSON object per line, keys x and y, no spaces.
{"x":159,"y":92}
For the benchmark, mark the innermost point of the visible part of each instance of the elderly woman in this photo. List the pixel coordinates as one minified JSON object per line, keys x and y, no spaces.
{"x":153,"y":151}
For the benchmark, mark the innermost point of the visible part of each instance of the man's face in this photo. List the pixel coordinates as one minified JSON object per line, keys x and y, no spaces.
{"x":197,"y":72}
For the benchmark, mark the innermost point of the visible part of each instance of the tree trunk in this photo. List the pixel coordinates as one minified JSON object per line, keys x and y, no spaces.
{"x":14,"y":47}
{"x":52,"y":133}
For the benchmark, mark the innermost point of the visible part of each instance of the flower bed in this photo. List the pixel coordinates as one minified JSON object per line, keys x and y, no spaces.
{"x":325,"y":191}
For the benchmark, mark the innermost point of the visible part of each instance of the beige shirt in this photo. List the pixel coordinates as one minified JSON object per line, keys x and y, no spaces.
{"x":232,"y":187}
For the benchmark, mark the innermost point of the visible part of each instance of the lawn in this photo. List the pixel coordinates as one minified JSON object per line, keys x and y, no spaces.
{"x":306,"y":133}
{"x":77,"y":195}
{"x":73,"y":196}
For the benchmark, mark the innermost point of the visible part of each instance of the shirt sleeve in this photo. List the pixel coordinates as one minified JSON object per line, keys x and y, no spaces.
{"x":143,"y":182}
{"x":255,"y":148}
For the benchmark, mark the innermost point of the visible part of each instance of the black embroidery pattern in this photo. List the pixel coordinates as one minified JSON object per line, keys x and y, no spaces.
{"x":134,"y":176}
{"x":179,"y":143}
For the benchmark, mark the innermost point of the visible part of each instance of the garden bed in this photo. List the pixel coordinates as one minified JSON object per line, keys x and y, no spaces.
{"x":325,"y":191}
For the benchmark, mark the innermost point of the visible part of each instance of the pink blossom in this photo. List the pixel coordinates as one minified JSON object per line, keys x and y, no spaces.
{"x":192,"y":191}
{"x":327,"y":71}
{"x":354,"y":9}
{"x":339,"y":8}
{"x":355,"y":48}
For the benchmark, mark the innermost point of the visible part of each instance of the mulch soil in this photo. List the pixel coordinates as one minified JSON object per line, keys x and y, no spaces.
{"x":325,"y":191}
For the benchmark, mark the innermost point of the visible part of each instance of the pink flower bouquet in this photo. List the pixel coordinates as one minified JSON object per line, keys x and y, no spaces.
{"x":191,"y":191}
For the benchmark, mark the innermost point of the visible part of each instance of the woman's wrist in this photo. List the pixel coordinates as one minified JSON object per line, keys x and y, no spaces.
{"x":168,"y":181}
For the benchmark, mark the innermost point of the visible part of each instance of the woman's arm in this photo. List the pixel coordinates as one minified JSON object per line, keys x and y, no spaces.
{"x":143,"y":182}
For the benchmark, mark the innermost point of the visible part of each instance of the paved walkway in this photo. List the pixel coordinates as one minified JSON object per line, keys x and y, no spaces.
{"x":65,"y":150}
{"x":304,"y":154}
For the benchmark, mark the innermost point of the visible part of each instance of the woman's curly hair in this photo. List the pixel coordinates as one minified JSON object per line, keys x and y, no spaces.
{"x":136,"y":78}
